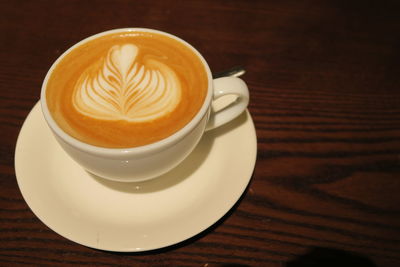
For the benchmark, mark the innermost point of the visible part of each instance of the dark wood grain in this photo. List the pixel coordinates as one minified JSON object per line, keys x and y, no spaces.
{"x":324,"y":78}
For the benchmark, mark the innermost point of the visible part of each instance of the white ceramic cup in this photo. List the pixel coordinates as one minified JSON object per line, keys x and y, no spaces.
{"x":149,"y":161}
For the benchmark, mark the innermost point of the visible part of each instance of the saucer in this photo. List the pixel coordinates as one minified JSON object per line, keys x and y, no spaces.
{"x":132,"y":217}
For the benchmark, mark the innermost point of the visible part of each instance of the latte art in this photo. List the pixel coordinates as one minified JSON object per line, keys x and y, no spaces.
{"x":126,"y":89}
{"x":120,"y":88}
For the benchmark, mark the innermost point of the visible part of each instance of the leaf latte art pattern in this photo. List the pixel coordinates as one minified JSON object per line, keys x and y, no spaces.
{"x":120,"y":88}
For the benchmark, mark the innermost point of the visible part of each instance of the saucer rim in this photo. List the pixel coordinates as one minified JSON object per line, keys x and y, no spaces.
{"x":235,"y":195}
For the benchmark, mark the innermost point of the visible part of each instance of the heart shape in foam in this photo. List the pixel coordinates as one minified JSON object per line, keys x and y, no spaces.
{"x":117,"y":87}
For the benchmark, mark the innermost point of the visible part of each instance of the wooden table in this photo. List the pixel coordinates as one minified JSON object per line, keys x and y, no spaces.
{"x":325,"y":100}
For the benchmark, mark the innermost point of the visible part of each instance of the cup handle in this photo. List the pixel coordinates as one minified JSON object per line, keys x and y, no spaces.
{"x":228,"y":86}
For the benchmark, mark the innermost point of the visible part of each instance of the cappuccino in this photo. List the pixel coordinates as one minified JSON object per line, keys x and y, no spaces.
{"x":126,"y":89}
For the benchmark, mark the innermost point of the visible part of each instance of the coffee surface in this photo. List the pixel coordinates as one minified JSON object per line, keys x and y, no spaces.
{"x":126,"y":89}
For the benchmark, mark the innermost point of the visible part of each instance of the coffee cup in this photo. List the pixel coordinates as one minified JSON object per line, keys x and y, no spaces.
{"x":130,"y":104}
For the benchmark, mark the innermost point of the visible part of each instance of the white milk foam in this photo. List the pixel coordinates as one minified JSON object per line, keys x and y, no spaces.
{"x":123,"y":89}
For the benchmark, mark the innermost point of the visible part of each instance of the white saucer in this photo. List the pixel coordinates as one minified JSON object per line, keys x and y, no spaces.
{"x":137,"y":216}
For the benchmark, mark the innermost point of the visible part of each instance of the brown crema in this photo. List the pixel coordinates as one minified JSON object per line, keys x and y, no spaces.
{"x":118,"y":133}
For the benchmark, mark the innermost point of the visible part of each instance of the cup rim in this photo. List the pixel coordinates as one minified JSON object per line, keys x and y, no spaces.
{"x":110,"y":152}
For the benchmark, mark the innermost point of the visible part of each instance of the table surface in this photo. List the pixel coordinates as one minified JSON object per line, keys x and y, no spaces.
{"x":324,"y":79}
